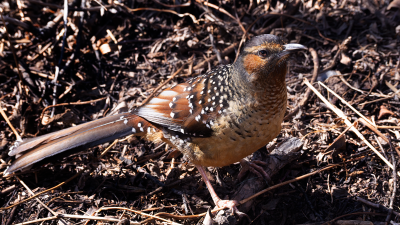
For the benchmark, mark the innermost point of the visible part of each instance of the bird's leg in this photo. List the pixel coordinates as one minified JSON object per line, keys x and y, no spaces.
{"x":231,"y":204}
{"x":254,"y":167}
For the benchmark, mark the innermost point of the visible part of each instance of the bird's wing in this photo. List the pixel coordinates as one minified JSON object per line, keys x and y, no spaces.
{"x":192,"y":107}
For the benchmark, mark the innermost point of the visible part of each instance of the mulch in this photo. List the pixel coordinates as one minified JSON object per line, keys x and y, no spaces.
{"x":111,"y":56}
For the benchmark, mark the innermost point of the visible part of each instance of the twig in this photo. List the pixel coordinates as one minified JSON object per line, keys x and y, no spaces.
{"x":392,"y":198}
{"x":9,"y":123}
{"x":206,"y":3}
{"x":42,"y":192}
{"x":57,"y":72}
{"x":174,"y":6}
{"x":38,"y":200}
{"x":94,"y":8}
{"x":139,"y":213}
{"x":288,"y":182}
{"x":348,"y":123}
{"x":375,"y":205}
{"x":196,"y":21}
{"x":162,"y":85}
{"x":163,"y":214}
{"x":353,"y":214}
{"x":346,"y":83}
{"x":345,"y":102}
{"x":59,"y":216}
{"x":71,"y":103}
{"x":380,"y":146}
{"x":217,"y":53}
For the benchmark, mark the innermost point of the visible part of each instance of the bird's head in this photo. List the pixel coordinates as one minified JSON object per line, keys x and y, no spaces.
{"x":264,"y":59}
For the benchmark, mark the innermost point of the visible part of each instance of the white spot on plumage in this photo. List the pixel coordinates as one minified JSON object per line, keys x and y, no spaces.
{"x":172,"y":114}
{"x":168,"y":93}
{"x":158,"y":101}
{"x":139,"y":124}
{"x":141,"y":129}
{"x":197,"y":118}
{"x":121,"y":117}
{"x":133,"y":130}
{"x":171,"y":105}
{"x":200,"y":102}
{"x":148,"y":130}
{"x":182,"y":131}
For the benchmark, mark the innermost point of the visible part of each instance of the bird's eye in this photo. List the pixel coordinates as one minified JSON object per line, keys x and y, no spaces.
{"x":263,"y":53}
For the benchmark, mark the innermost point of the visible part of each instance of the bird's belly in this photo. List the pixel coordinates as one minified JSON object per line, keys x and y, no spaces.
{"x":232,"y":143}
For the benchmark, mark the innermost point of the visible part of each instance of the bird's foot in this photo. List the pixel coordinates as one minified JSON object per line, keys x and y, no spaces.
{"x":221,"y":204}
{"x":256,"y":167}
{"x":230,"y":204}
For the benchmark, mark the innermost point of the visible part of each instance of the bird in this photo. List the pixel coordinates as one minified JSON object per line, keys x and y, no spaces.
{"x":214,"y":119}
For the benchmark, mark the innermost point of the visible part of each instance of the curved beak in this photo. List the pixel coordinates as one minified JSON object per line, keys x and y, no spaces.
{"x":294,"y":47}
{"x":291,"y":48}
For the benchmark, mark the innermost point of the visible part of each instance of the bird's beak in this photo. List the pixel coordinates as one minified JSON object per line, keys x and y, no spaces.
{"x":290,"y":48}
{"x":294,"y":47}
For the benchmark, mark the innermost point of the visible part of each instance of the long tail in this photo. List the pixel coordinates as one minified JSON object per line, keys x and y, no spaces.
{"x":88,"y":134}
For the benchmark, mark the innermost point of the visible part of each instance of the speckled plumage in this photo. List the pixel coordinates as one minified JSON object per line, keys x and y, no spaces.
{"x":214,"y":119}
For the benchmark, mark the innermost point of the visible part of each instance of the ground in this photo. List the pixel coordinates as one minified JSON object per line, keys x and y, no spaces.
{"x":116,"y":54}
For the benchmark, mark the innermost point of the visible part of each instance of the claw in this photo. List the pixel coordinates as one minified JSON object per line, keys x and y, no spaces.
{"x":232,"y":205}
{"x":254,"y":167}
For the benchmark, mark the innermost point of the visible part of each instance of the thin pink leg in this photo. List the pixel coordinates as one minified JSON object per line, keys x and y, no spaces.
{"x":231,"y":204}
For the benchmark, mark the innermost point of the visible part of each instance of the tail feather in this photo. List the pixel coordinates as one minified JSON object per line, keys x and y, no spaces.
{"x":88,"y":135}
